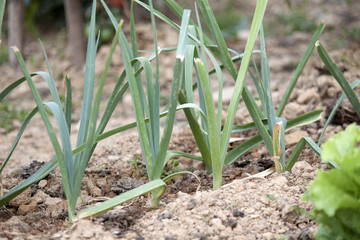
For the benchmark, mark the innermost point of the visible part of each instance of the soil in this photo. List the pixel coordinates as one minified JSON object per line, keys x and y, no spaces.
{"x":254,"y":202}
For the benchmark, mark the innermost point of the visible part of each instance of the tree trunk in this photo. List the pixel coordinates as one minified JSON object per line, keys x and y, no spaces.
{"x":16,"y":28}
{"x":75,"y":29}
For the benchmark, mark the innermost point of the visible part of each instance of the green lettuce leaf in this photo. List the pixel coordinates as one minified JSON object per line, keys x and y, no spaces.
{"x":333,"y":190}
{"x":343,"y":143}
{"x":336,"y":193}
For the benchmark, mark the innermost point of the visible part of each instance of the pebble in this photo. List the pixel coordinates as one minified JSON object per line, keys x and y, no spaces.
{"x":191,"y":204}
{"x":300,"y":168}
{"x":42,"y":183}
{"x":264,"y":200}
{"x":22,"y":199}
{"x":238,"y":213}
{"x":216,"y":223}
{"x":113,"y":158}
{"x":307,"y":96}
{"x":268,"y":236}
{"x":249,"y":211}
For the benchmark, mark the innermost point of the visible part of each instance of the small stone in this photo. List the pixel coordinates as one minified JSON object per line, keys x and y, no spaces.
{"x":200,"y":236}
{"x":249,"y":210}
{"x":22,"y":199}
{"x":231,"y":222}
{"x":27,"y":208}
{"x":312,"y":231}
{"x":164,"y":216}
{"x":268,"y":236}
{"x":113,"y":158}
{"x":39,"y":197}
{"x":238,"y":213}
{"x":49,"y":202}
{"x":93,"y":190}
{"x":307,"y":96}
{"x":18,"y":224}
{"x":301,"y":167}
{"x":281,"y":181}
{"x":42,"y":183}
{"x":169,"y":238}
{"x":332,"y":92}
{"x":191,"y":204}
{"x":205,"y":212}
{"x":289,"y":214}
{"x":56,"y":235}
{"x":216,"y":223}
{"x":264,"y":200}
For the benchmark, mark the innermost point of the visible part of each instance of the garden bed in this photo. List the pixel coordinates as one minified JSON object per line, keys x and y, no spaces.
{"x":254,"y":202}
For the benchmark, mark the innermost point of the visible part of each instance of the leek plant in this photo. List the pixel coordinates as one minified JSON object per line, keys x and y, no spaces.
{"x":213,"y":140}
{"x":210,"y":138}
{"x":72,"y":166}
{"x":146,"y":102}
{"x":72,"y":163}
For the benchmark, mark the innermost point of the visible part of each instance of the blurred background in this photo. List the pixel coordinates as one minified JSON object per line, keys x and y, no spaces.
{"x":28,"y":20}
{"x":63,"y":26}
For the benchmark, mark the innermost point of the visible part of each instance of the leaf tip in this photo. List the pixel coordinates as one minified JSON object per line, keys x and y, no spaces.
{"x":121,"y":23}
{"x":181,"y":57}
{"x":317,"y":44}
{"x":198,"y":60}
{"x":15,"y":49}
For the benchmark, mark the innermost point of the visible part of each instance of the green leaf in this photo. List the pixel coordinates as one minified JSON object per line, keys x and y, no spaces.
{"x":258,"y":123}
{"x":155,"y":101}
{"x":214,"y":134}
{"x":91,"y":133}
{"x":335,"y":108}
{"x":60,"y":157}
{"x":2,"y":9}
{"x":300,"y":68}
{"x":244,"y":147}
{"x":339,"y":189}
{"x":339,"y":77}
{"x":113,"y":202}
{"x":336,"y":194}
{"x":171,"y":176}
{"x":40,"y":174}
{"x":65,"y":139}
{"x":217,"y":35}
{"x":338,"y":146}
{"x":342,"y":150}
{"x":197,"y":133}
{"x":255,"y":26}
{"x":88,"y":84}
{"x":12,"y":86}
{"x":297,"y":150}
{"x":139,"y":115}
{"x":301,"y":120}
{"x":173,"y":99}
{"x":68,"y":102}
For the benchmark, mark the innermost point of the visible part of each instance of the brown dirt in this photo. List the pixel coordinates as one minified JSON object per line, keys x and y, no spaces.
{"x":254,"y":202}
